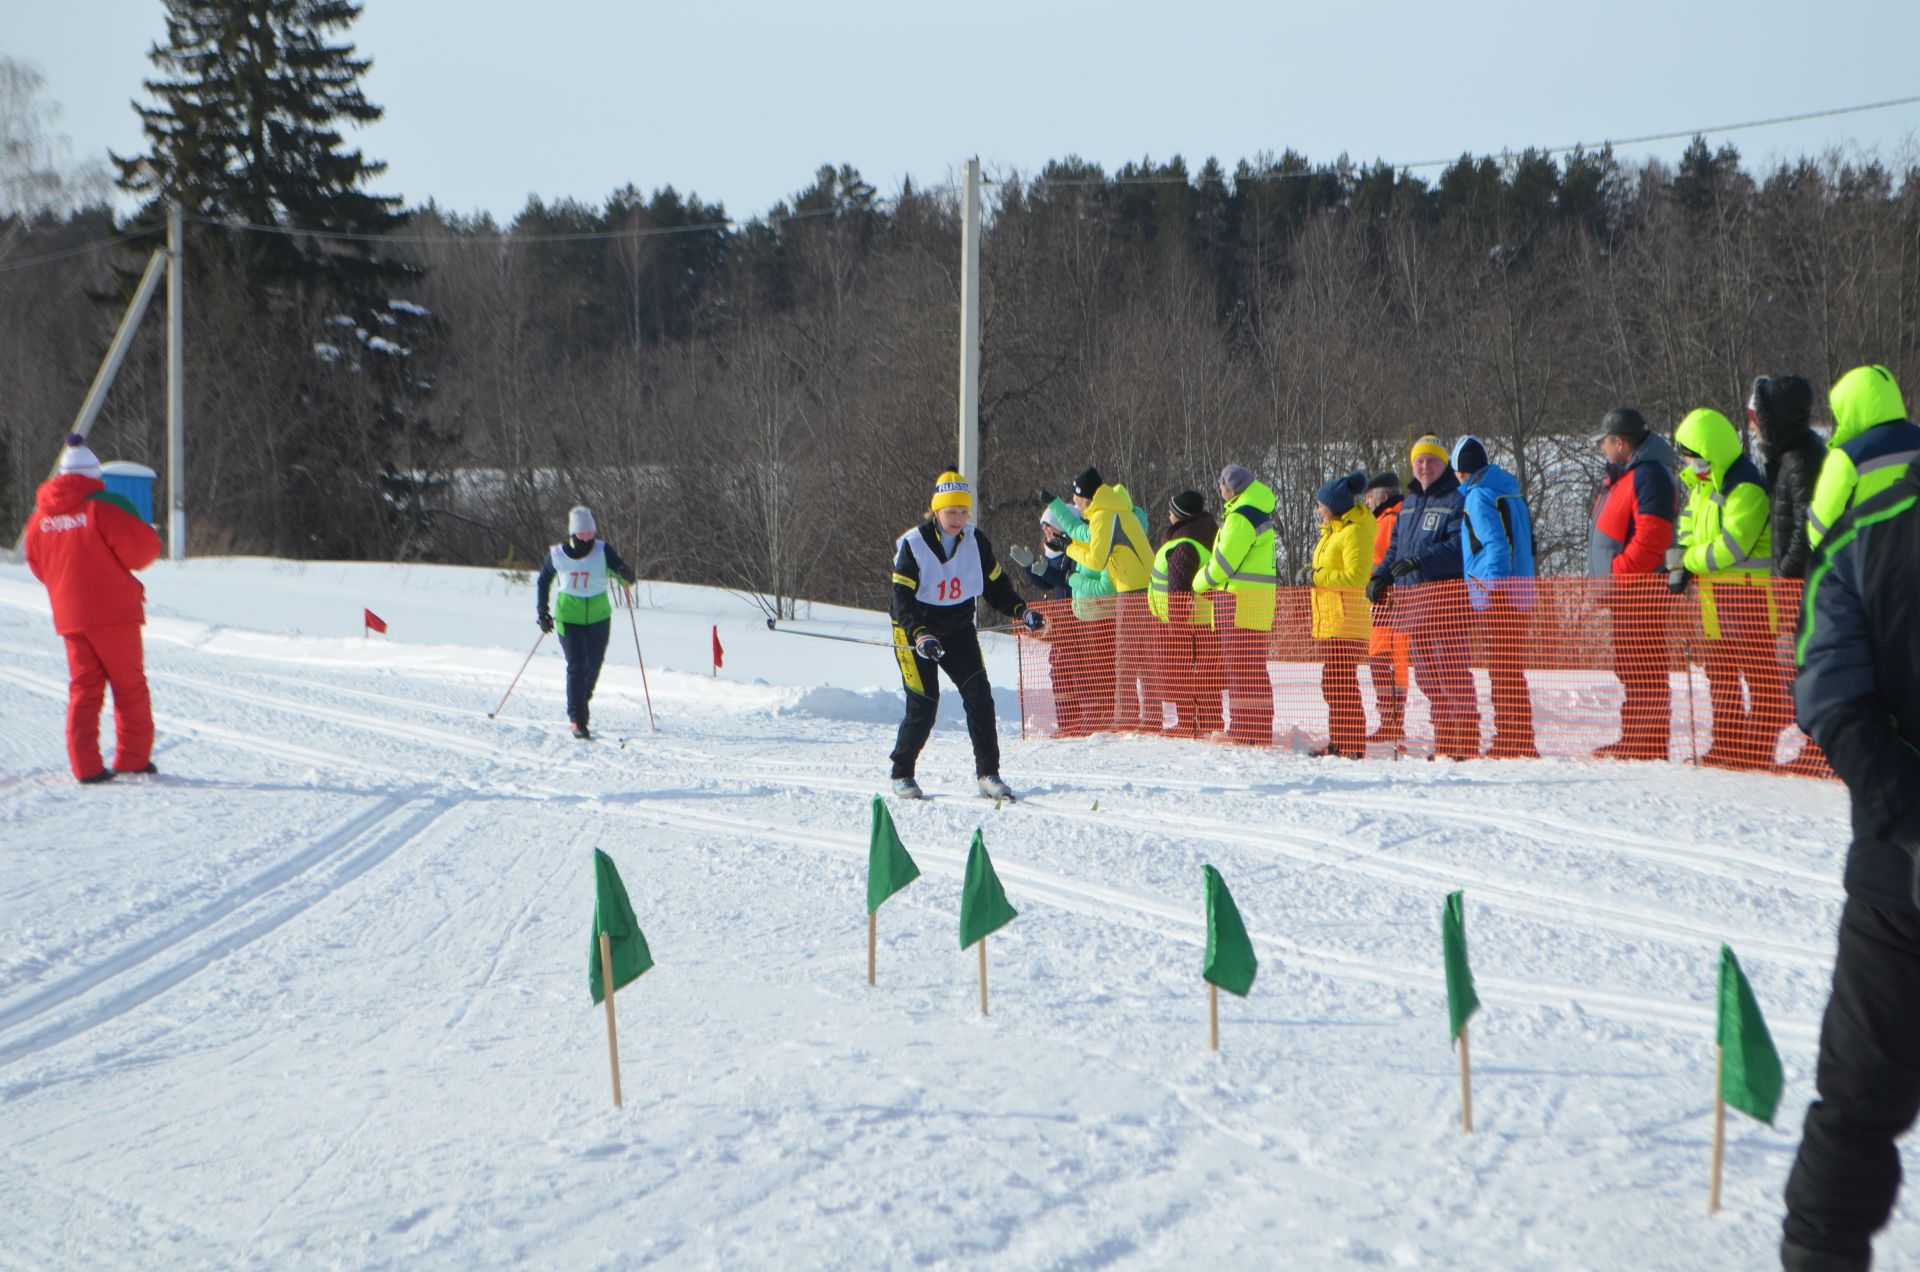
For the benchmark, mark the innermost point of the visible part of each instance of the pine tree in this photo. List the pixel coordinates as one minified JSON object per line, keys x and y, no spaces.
{"x":245,"y":135}
{"x":244,"y":130}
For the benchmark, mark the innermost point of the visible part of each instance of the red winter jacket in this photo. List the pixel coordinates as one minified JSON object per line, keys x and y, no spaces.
{"x":1634,"y":514}
{"x":84,"y":544}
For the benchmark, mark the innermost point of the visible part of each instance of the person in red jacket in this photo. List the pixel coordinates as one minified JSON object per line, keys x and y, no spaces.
{"x":1633,"y":520}
{"x":85,"y":544}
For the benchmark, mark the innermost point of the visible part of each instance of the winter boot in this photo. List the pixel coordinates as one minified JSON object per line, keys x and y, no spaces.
{"x":907,"y":788}
{"x":993,"y":788}
{"x":1393,"y":704}
{"x":104,"y":775}
{"x":149,"y":770}
{"x":580,"y":731}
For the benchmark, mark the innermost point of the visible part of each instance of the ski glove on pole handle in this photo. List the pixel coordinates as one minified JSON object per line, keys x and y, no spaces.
{"x":929,"y":648}
{"x":545,"y":621}
{"x":1034,"y":619}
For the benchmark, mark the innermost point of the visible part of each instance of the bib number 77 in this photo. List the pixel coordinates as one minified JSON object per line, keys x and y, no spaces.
{"x":577,"y":578}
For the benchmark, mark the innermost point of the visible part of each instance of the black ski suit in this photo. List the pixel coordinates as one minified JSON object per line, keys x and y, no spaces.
{"x":1858,"y":696}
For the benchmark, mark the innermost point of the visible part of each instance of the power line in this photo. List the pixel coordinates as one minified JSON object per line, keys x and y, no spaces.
{"x":588,"y":236}
{"x":504,"y":240}
{"x":1679,"y":135}
{"x":65,"y":254}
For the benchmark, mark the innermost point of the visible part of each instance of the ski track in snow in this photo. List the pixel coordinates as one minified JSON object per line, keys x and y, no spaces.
{"x":325,"y":833}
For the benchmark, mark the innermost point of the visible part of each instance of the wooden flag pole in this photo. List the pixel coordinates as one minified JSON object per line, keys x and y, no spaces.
{"x":983,"y":976}
{"x":1719,"y":1131}
{"x":873,"y":936}
{"x":613,"y":1036}
{"x":1213,"y":1016}
{"x":1466,"y":1087}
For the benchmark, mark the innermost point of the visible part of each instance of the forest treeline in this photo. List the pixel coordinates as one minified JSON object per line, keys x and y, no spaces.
{"x":763,"y":406}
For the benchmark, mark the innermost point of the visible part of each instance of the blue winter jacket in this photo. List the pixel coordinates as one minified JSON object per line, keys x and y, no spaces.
{"x":1428,"y":532}
{"x":1496,"y":539}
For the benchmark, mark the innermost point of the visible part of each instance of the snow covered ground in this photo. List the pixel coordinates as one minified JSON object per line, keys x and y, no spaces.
{"x":316,"y":995}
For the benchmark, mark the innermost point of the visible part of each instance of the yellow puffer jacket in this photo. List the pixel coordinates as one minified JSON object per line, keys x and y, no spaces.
{"x":1342,"y":560}
{"x":1116,"y":541}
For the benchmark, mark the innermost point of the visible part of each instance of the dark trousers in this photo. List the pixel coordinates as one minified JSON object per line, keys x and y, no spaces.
{"x":1191,"y":677}
{"x":1640,"y":615}
{"x":1340,"y":686}
{"x":964,"y":666}
{"x":1848,"y":1168}
{"x":1439,"y":656}
{"x":1504,"y":629}
{"x":585,"y":645}
{"x":1249,"y":685}
{"x":1745,"y":728}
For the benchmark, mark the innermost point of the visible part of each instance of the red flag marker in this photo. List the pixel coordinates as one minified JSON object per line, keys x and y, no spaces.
{"x":719,"y":654}
{"x":373,"y":622}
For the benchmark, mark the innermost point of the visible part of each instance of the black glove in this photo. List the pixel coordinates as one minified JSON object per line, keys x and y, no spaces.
{"x":1034,"y":619}
{"x":545,"y":621}
{"x":1403,"y":567}
{"x":1046,"y":496}
{"x":1377,"y":587}
{"x":928,"y":646}
{"x":1677,"y":580}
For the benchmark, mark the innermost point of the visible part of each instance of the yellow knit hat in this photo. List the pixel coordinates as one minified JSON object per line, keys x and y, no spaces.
{"x":951,"y":490}
{"x":1429,"y":445}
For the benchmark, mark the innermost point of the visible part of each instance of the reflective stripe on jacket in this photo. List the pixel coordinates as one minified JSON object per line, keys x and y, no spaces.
{"x":1873,"y":445}
{"x":1160,"y":588}
{"x":1242,"y":561}
{"x":1726,"y":530}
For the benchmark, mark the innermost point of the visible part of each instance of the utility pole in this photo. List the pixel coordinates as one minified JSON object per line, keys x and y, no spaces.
{"x":176,"y":391}
{"x":970,"y":333}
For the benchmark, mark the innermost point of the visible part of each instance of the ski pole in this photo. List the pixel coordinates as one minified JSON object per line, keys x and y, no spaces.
{"x":635,"y":623}
{"x":850,"y":640}
{"x":516,"y":677}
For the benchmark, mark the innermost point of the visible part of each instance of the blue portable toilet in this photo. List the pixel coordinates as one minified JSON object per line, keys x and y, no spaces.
{"x":132,"y":482}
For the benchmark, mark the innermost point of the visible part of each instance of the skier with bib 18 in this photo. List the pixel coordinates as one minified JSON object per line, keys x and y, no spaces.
{"x":583,"y":615}
{"x":940,"y":567}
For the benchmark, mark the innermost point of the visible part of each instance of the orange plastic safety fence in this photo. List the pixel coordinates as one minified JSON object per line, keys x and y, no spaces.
{"x":1619,"y":669}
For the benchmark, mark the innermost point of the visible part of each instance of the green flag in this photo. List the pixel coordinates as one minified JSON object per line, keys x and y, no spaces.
{"x":983,"y":902}
{"x":1750,"y":1076}
{"x":1230,"y":962}
{"x":1462,"y":1002}
{"x":613,"y":914}
{"x":889,"y":868}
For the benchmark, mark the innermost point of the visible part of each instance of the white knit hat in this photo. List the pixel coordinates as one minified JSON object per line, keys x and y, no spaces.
{"x":580,"y":521}
{"x":77,"y":458}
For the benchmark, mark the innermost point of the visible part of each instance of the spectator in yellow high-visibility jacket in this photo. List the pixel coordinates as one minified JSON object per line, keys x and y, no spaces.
{"x":1726,"y":542}
{"x":1873,"y":445}
{"x":1242,"y":565}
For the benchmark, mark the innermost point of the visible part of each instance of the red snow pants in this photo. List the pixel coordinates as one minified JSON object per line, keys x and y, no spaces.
{"x":96,"y":658}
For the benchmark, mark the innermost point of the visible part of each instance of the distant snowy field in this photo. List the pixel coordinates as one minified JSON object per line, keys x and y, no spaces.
{"x":316,"y":995}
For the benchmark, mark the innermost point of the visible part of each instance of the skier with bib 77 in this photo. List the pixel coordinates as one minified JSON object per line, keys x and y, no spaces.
{"x":583,"y":614}
{"x":940,"y":567}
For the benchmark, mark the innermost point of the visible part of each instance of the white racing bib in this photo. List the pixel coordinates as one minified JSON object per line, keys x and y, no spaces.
{"x":583,"y":578}
{"x":946,"y":582}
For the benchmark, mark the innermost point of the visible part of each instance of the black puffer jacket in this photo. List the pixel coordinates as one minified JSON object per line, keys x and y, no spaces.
{"x":1858,"y":692}
{"x":1791,"y":454}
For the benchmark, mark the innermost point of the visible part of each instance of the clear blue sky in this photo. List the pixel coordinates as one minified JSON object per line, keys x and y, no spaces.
{"x":488,"y":101}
